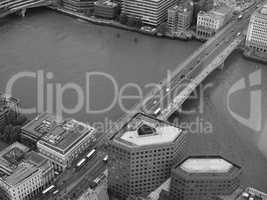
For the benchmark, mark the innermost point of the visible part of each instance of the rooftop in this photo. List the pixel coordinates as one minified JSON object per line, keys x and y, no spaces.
{"x":206,"y":165}
{"x":263,"y":10}
{"x":59,"y":135}
{"x":17,"y":163}
{"x":143,"y":130}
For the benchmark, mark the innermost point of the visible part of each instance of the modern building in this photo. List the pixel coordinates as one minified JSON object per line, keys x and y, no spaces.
{"x":208,"y":23}
{"x":23,"y":173}
{"x":59,"y":140}
{"x":106,"y":9}
{"x":180,"y":17}
{"x":151,"y":12}
{"x":141,"y":155}
{"x":203,"y":178}
{"x":7,"y":104}
{"x":257,"y":32}
{"x":82,"y":6}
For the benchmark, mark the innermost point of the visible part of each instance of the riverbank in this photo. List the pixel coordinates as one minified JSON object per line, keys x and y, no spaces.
{"x":248,"y":54}
{"x":100,"y":21}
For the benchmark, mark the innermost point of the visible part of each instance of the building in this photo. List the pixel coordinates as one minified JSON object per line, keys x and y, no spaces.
{"x":180,"y":17}
{"x":203,"y":178}
{"x":82,"y":6}
{"x":23,"y":173}
{"x":33,"y":131}
{"x":257,"y":32}
{"x":151,"y":12}
{"x":61,"y":141}
{"x":7,"y":104}
{"x":208,"y":23}
{"x":201,"y":5}
{"x":237,"y":5}
{"x":141,"y":155}
{"x":106,"y":9}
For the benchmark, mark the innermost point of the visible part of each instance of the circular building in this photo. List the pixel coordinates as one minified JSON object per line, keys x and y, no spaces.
{"x":204,"y":177}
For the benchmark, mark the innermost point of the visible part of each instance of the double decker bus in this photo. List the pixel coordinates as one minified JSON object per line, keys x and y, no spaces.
{"x":51,"y":188}
{"x":91,"y":154}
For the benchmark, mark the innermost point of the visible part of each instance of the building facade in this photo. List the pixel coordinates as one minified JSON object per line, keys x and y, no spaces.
{"x":257,"y":31}
{"x":235,"y":4}
{"x":208,"y":23}
{"x":151,"y":12}
{"x":60,"y":141}
{"x":141,"y":155}
{"x":180,"y":17}
{"x":106,"y":9}
{"x":203,"y":178}
{"x":82,"y":6}
{"x":23,"y":174}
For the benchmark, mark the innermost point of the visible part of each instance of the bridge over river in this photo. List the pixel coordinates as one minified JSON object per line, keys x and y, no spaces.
{"x":176,"y":89}
{"x":8,"y":7}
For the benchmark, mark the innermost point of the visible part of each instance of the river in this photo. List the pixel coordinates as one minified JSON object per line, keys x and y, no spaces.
{"x":64,"y":49}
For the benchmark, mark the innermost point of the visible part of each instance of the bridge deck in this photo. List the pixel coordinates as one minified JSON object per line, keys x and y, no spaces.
{"x":8,"y":7}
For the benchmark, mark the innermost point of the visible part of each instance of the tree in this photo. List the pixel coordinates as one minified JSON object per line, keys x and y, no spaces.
{"x":162,"y":28}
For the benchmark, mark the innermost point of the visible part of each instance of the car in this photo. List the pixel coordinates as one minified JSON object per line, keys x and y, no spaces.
{"x":105,"y":159}
{"x":240,"y":16}
{"x":148,"y":29}
{"x":238,"y":34}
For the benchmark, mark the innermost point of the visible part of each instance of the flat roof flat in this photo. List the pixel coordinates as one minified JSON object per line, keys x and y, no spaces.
{"x":206,"y":165}
{"x":57,"y":134}
{"x":159,"y":132}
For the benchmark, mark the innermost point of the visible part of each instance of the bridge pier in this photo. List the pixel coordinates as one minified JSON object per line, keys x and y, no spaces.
{"x":23,"y":12}
{"x":221,"y":66}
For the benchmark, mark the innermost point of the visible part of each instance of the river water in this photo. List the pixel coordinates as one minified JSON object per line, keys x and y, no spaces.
{"x":64,"y":49}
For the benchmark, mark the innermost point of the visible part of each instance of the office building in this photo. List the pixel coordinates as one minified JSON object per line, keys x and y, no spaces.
{"x":235,"y":4}
{"x":151,"y":12}
{"x":208,"y":23}
{"x":7,"y":104}
{"x":201,"y":5}
{"x":180,"y":17}
{"x":203,"y":178}
{"x":59,"y":140}
{"x":33,"y":131}
{"x":142,"y":154}
{"x":106,"y":9}
{"x":82,"y":6}
{"x":257,"y":32}
{"x":23,"y":173}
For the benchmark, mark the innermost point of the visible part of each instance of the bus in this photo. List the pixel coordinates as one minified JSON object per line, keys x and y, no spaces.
{"x":157,"y":111}
{"x":49,"y":189}
{"x":91,"y":154}
{"x":55,"y":192}
{"x":80,"y":163}
{"x":99,"y":178}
